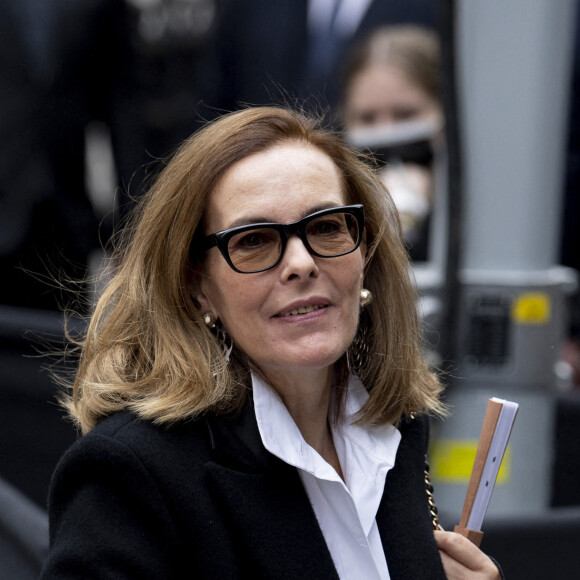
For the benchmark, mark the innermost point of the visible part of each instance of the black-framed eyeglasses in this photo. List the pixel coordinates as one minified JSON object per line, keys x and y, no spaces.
{"x":253,"y":248}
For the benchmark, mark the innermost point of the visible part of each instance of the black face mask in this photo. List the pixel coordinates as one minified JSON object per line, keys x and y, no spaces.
{"x":417,"y":152}
{"x":406,"y":142}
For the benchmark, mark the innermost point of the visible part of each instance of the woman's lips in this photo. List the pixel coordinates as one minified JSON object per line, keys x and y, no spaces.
{"x":301,"y":310}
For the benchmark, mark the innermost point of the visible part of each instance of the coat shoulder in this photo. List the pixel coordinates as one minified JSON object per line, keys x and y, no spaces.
{"x":126,"y":426}
{"x":138,"y":450}
{"x":124,"y":476}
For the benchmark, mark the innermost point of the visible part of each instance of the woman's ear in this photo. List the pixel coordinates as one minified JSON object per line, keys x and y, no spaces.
{"x":204,"y":303}
{"x":196,"y":289}
{"x":201,"y":292}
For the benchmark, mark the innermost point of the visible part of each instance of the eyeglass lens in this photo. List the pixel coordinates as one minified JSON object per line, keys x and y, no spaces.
{"x":327,"y":235}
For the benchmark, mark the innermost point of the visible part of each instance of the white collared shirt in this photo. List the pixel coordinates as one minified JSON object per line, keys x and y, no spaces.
{"x":345,"y":510}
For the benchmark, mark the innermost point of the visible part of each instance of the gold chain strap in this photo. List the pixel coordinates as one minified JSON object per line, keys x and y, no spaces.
{"x":430,"y":499}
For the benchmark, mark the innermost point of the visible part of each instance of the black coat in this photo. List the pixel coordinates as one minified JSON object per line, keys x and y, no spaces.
{"x":204,"y":499}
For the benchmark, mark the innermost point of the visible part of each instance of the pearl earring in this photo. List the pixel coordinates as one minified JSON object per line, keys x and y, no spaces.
{"x":210,"y":319}
{"x":366,"y":297}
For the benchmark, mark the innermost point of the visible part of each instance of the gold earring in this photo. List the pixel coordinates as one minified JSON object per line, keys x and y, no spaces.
{"x":366,"y":297}
{"x":210,"y":319}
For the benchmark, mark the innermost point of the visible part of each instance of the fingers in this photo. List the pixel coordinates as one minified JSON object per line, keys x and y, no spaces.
{"x":460,"y":548}
{"x":462,"y":559}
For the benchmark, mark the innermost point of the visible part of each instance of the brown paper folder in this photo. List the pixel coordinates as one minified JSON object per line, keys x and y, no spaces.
{"x":487,"y":431}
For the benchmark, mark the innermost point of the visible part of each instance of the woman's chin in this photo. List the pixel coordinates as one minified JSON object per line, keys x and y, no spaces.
{"x":307,"y":359}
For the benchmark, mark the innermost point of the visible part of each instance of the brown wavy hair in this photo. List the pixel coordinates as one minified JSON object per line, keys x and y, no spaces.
{"x":147,"y":348}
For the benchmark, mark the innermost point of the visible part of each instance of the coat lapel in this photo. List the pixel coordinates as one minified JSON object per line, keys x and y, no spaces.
{"x":403,"y":517}
{"x":272,"y":522}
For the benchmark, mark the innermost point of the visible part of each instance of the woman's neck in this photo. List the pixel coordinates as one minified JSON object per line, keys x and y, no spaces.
{"x":307,"y":398}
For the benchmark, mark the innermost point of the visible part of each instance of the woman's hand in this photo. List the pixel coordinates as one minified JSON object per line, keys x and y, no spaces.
{"x":463,"y":560}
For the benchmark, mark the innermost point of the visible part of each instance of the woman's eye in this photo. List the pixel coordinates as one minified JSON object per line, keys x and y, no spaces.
{"x":326,"y":227}
{"x":366,"y":118}
{"x":405,"y":114}
{"x":251,"y":240}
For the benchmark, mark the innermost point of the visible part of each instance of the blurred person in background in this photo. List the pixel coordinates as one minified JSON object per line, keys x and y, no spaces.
{"x":292,"y":50}
{"x":56,"y":65}
{"x":391,"y":104}
{"x":161,"y":97}
{"x":122,"y":79}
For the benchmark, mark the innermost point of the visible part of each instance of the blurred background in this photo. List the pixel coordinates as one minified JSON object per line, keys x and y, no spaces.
{"x":471,"y":110}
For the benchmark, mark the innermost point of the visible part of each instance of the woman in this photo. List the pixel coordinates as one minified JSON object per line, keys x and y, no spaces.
{"x":391,"y":103}
{"x":242,"y":396}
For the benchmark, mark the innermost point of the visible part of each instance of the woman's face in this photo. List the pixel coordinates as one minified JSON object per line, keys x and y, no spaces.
{"x":303,"y":313}
{"x":383,"y":95}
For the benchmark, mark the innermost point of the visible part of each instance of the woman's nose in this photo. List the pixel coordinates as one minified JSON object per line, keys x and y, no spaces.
{"x":297,"y":260}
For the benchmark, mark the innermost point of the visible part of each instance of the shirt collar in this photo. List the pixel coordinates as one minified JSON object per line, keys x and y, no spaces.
{"x":366,"y":452}
{"x":281,"y":436}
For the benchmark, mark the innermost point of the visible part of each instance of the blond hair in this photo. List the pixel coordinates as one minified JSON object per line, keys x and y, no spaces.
{"x":147,"y":348}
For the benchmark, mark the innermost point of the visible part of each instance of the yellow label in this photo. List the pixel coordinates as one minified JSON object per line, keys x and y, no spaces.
{"x":452,"y":461}
{"x":532,"y":308}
